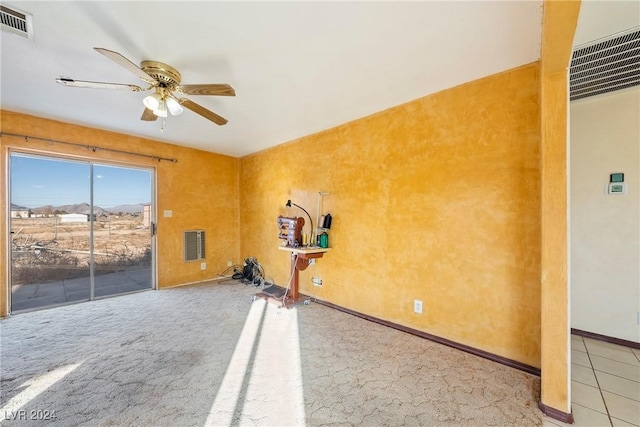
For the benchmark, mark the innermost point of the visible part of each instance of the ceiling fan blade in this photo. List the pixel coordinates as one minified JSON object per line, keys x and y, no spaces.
{"x":222,"y":89}
{"x":124,"y":62}
{"x":148,"y":116}
{"x":97,"y":85}
{"x":207,"y":114}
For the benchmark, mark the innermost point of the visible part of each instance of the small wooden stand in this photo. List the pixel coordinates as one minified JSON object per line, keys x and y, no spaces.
{"x":300,"y":259}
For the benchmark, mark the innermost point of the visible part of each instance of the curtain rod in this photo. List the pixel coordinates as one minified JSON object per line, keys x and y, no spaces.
{"x":93,"y":148}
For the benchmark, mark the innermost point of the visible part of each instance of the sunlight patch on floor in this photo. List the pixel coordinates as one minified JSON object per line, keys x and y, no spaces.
{"x":224,"y":405}
{"x":263,"y":382}
{"x":275,"y":389}
{"x":35,"y":387}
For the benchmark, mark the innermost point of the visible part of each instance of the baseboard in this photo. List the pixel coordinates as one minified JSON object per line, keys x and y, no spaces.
{"x":199,"y":282}
{"x":605,"y":338}
{"x":556,"y":414}
{"x":481,"y":353}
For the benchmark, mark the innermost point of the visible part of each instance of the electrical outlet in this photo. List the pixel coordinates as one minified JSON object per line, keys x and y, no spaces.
{"x":417,"y":306}
{"x":203,"y":266}
{"x":316,"y":281}
{"x":312,"y":261}
{"x":229,"y":263}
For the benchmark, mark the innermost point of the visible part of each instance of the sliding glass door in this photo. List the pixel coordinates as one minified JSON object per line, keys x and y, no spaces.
{"x":122,"y":231}
{"x":50,"y":241}
{"x":79,"y":230}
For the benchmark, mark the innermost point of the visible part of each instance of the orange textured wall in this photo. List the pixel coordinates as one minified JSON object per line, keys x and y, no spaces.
{"x":436,"y":200}
{"x":559,"y":22}
{"x":201,"y":189}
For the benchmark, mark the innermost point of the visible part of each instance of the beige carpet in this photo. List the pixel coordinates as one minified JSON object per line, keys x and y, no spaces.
{"x":208,"y":355}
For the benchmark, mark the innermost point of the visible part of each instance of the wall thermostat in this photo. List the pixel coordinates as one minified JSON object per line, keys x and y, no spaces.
{"x":616,"y":177}
{"x":616,"y":184}
{"x":617,"y":188}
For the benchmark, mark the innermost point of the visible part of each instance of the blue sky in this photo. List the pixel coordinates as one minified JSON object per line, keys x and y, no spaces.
{"x":38,"y":181}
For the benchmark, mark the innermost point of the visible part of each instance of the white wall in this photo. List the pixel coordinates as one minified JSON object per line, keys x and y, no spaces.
{"x":604,"y":229}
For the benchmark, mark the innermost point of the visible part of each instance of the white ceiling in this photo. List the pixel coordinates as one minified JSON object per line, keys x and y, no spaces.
{"x":603,"y":18}
{"x":297,"y":67}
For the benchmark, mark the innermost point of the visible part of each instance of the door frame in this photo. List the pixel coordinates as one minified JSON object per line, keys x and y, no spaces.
{"x":91,"y":162}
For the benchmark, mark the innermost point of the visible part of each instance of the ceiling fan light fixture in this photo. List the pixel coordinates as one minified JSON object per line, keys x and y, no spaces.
{"x":174,"y":106}
{"x":161,"y":111}
{"x":153,"y":101}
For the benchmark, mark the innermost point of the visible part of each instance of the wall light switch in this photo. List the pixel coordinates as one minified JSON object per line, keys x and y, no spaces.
{"x":168,"y":213}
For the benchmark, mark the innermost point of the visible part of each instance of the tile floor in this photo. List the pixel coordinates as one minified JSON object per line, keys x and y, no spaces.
{"x":605,"y":384}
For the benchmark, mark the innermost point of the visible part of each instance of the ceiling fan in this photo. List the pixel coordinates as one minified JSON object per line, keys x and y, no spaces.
{"x":165,"y":81}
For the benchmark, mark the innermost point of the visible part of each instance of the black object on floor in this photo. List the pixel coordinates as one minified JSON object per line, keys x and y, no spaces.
{"x":275,"y":291}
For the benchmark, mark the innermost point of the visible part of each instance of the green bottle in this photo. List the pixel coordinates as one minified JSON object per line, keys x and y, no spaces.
{"x":324,"y":240}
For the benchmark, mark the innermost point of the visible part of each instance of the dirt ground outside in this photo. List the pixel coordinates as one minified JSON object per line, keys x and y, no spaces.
{"x":46,"y":249}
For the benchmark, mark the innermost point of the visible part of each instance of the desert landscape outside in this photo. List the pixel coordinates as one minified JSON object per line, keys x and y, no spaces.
{"x":51,"y":259}
{"x":63,"y":249}
{"x":46,"y":249}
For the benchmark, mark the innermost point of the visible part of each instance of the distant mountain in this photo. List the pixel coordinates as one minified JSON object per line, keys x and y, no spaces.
{"x":138,"y":208}
{"x":15,"y":207}
{"x":83,"y":208}
{"x":80,"y":208}
{"x":43,"y":209}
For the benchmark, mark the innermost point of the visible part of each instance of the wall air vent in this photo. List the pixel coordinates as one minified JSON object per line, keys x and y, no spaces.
{"x":16,"y":22}
{"x":605,"y":66}
{"x":194,"y":245}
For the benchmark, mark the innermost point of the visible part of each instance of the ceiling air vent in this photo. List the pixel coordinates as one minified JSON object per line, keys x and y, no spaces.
{"x":605,"y":66}
{"x":16,"y":22}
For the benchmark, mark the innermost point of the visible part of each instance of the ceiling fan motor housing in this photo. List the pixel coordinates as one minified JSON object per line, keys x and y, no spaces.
{"x":165,"y":75}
